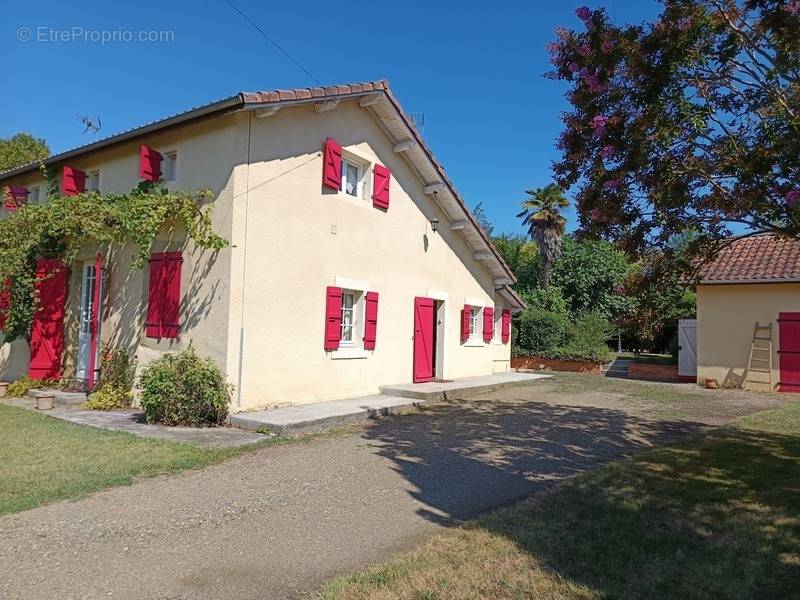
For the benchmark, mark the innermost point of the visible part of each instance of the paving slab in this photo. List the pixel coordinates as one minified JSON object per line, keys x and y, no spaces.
{"x":132,"y":421}
{"x":437,"y":391}
{"x":306,"y":418}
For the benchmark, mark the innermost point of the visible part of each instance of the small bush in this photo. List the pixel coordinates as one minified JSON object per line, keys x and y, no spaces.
{"x":539,"y":331}
{"x":557,"y":336}
{"x":115,"y":382}
{"x":548,"y":299}
{"x":108,"y":397}
{"x":184,"y":389}
{"x":20,"y":387}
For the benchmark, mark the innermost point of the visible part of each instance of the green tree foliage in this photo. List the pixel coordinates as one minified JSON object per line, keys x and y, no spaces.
{"x":541,"y":213}
{"x":60,"y":227}
{"x":690,"y":122}
{"x":21,"y":149}
{"x":589,"y":273}
{"x":586,"y":275}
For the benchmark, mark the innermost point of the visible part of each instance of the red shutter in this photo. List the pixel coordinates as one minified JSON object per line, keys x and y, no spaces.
{"x":171,"y":312}
{"x":332,"y":165}
{"x":488,"y":324}
{"x":155,"y":297}
{"x":164,"y":295}
{"x":466,"y":315}
{"x":73,"y":181}
{"x":506,"y":332}
{"x":380,"y":186}
{"x":15,"y":197}
{"x":5,"y":302}
{"x":333,"y":318}
{"x":149,"y":164}
{"x":370,"y":320}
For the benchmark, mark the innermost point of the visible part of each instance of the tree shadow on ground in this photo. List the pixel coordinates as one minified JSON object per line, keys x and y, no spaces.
{"x":466,"y":458}
{"x":717,"y":516}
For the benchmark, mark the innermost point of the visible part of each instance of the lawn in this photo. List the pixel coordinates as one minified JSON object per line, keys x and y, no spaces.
{"x":714,"y":517}
{"x":43,"y":459}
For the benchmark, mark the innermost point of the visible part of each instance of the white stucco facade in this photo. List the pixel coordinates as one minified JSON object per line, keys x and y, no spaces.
{"x":258,"y":307}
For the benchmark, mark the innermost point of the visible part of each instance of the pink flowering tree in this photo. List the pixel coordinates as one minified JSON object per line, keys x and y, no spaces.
{"x":686,"y":125}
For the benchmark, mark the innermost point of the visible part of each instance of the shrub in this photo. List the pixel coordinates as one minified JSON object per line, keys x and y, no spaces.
{"x":20,"y":387}
{"x":539,"y":331}
{"x":108,"y":397}
{"x":557,"y":336}
{"x":548,"y":299}
{"x":116,"y":379}
{"x":184,"y":389}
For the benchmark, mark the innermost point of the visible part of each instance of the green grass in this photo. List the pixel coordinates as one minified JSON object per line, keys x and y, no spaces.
{"x":43,"y":459}
{"x":717,"y":516}
{"x":647,"y":359}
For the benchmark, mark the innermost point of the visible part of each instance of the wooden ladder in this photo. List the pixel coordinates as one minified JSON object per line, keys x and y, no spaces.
{"x":757,"y":360}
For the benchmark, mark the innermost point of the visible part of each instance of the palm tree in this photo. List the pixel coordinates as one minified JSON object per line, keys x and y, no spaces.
{"x":542,"y":215}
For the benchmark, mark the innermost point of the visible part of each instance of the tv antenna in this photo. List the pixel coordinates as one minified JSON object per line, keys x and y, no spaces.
{"x":89,"y":124}
{"x":418,"y":118}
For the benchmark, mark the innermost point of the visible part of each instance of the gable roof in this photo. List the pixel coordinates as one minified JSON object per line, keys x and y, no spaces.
{"x":378,"y":100}
{"x":762,"y":258}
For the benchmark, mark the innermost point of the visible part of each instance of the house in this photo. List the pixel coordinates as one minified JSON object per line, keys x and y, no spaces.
{"x":754,"y":281}
{"x":353,"y":261}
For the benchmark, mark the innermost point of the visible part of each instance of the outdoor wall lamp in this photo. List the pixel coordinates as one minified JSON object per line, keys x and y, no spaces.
{"x":434,"y":220}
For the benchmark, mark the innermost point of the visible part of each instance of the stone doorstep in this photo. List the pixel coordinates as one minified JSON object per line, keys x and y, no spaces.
{"x":61,"y":397}
{"x":319,"y":416}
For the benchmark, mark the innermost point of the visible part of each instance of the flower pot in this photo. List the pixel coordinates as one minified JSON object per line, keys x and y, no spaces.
{"x":45,"y":402}
{"x":712,"y":384}
{"x":3,"y":388}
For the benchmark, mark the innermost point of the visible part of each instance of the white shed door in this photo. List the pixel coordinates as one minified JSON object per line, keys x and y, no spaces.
{"x":687,"y":347}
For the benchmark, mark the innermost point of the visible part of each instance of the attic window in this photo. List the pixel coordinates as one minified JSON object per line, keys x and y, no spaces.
{"x":169,"y":166}
{"x":352,"y":178}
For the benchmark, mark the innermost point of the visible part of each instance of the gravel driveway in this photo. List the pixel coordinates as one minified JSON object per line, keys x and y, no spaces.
{"x":277,"y":522}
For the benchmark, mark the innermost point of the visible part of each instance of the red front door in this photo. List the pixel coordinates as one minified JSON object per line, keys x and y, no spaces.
{"x":789,"y":352}
{"x":47,"y":332}
{"x":424,"y":320}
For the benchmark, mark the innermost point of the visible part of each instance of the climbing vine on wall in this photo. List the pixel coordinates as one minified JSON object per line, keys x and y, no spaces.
{"x":59,"y":228}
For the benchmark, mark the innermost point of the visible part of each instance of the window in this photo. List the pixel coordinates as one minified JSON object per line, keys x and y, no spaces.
{"x":498,"y":325}
{"x":475,"y":323}
{"x":93,"y":181}
{"x":349,"y":317}
{"x":169,"y":166}
{"x":33,"y":194}
{"x":352,"y":178}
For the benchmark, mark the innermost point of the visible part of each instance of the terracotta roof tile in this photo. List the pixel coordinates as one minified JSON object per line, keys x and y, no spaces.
{"x":765,"y":257}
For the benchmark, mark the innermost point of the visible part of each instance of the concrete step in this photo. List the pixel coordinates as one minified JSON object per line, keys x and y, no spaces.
{"x":438,"y":391}
{"x":319,"y":416}
{"x":61,"y":396}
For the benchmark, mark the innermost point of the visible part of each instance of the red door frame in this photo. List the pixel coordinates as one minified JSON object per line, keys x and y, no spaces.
{"x":94,"y":327}
{"x":424,"y":349}
{"x":789,"y":351}
{"x":47,"y":331}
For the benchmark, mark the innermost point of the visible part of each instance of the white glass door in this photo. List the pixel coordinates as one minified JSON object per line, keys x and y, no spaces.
{"x":85,"y":322}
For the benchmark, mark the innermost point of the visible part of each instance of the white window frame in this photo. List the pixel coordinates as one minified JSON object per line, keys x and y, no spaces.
{"x":361,"y":170}
{"x":172,"y":157}
{"x":497,"y":338}
{"x":475,"y":337}
{"x":354,"y":320}
{"x":355,"y":347}
{"x":93,"y":181}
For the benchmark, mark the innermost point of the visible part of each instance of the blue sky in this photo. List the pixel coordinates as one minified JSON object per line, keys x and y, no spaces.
{"x":474,"y":70}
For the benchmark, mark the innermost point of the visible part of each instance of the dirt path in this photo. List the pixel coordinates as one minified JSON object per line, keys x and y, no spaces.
{"x":277,"y":522}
